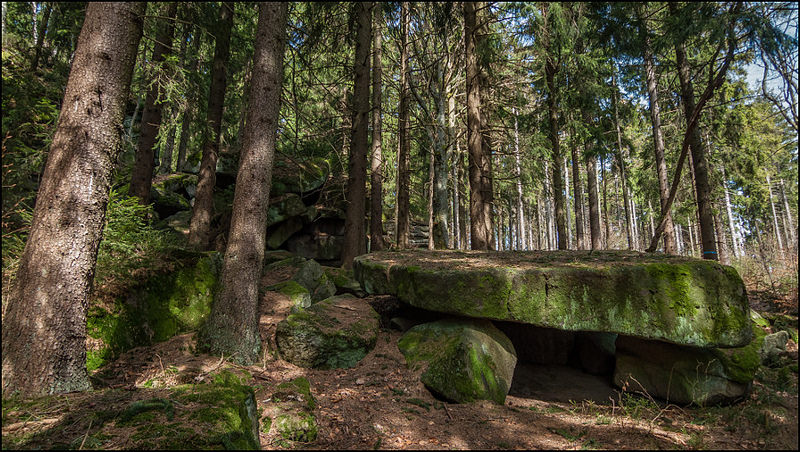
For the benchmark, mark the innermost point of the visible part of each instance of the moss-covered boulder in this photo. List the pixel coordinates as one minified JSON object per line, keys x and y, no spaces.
{"x":167,"y":203}
{"x":343,"y":281}
{"x":218,"y":415}
{"x":272,"y":256}
{"x":675,"y":299}
{"x":162,"y":307}
{"x":335,"y":333}
{"x":290,"y":412}
{"x":464,"y":359}
{"x":686,"y":375}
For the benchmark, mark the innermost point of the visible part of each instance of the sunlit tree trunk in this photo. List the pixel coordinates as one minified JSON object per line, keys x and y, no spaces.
{"x":44,"y":326}
{"x":774,"y":215}
{"x":621,"y":162}
{"x":40,"y":34}
{"x":232,"y":326}
{"x":737,"y":252}
{"x":518,"y":173}
{"x":788,"y":215}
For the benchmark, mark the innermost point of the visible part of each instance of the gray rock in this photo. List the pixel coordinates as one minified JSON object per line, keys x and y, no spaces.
{"x":773,"y":345}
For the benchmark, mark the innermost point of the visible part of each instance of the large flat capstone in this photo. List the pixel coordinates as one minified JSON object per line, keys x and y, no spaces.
{"x":675,"y":299}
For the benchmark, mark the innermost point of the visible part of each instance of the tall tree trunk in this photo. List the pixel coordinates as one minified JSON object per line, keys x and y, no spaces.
{"x":788,"y":215}
{"x":566,"y":199}
{"x":594,"y":203}
{"x":558,"y":182}
{"x":699,"y":160}
{"x":580,"y":235}
{"x":232,"y":327}
{"x":456,"y":181}
{"x":354,"y":236}
{"x":188,"y":112}
{"x":655,"y":119}
{"x":774,"y":215}
{"x":737,"y":252}
{"x":203,"y":209}
{"x":165,"y":166}
{"x":430,"y":184}
{"x":376,"y":166}
{"x":607,"y":222}
{"x":480,"y":194}
{"x":142,"y":175}
{"x":518,"y":174}
{"x":439,"y":197}
{"x":44,"y":327}
{"x":403,"y":174}
{"x":463,"y":212}
{"x":723,"y":251}
{"x":40,"y":35}
{"x":621,"y":160}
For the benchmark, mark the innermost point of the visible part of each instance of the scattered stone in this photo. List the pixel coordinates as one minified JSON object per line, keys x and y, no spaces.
{"x":773,"y":346}
{"x":325,"y":289}
{"x":686,"y":301}
{"x":335,"y":333}
{"x":464,"y":359}
{"x":309,"y":274}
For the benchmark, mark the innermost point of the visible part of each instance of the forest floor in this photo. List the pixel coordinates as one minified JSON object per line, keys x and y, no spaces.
{"x":381,"y":403}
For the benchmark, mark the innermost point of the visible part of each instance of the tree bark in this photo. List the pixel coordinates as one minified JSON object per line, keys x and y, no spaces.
{"x":699,"y":160}
{"x":655,"y":119}
{"x":232,"y":327}
{"x":376,"y":167}
{"x":188,"y":115}
{"x":142,"y":175}
{"x":44,"y":327}
{"x":594,"y":203}
{"x":439,"y":226}
{"x":607,"y":222}
{"x":791,"y":228}
{"x":203,"y":209}
{"x":558,"y":188}
{"x":580,"y":236}
{"x":774,"y":215}
{"x":354,"y":236}
{"x":403,"y":174}
{"x":480,"y":194}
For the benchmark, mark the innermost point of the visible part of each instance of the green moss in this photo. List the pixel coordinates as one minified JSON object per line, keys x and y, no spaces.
{"x":294,"y":388}
{"x":301,"y":427}
{"x":741,"y":363}
{"x":298,"y":294}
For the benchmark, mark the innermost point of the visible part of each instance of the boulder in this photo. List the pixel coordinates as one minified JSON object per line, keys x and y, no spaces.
{"x":675,"y":299}
{"x":167,"y":203}
{"x":278,"y":234}
{"x":685,"y":375}
{"x":325,"y":289}
{"x":335,"y":333}
{"x":309,"y":274}
{"x":290,"y":411}
{"x":343,"y":281}
{"x":464,"y":359}
{"x":294,"y":176}
{"x":162,"y":307}
{"x":773,"y":346}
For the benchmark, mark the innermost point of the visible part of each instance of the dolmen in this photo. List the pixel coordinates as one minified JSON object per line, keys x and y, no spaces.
{"x":674,"y":327}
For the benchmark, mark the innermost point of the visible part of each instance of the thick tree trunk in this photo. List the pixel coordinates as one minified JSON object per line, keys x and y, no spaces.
{"x":403,"y":174}
{"x":232,"y":327}
{"x":456,"y":180}
{"x":44,"y":327}
{"x":40,"y":35}
{"x":594,"y":203}
{"x":699,"y":160}
{"x":203,"y":209}
{"x":376,"y":166}
{"x":440,"y":175}
{"x":354,"y":236}
{"x":723,"y":249}
{"x":142,"y":175}
{"x":655,"y":118}
{"x":480,"y":190}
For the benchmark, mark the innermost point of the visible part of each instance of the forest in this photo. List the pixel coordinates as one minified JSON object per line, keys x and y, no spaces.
{"x":286,"y":225}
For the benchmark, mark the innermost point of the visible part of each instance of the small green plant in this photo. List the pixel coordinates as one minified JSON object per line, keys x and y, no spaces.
{"x":568,"y":434}
{"x":420,"y":403}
